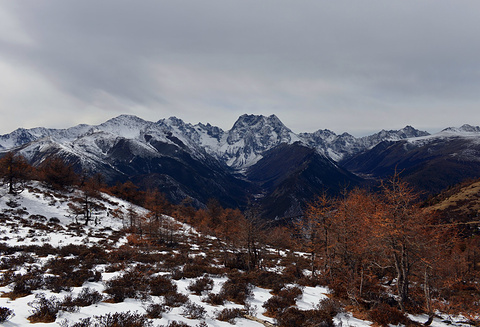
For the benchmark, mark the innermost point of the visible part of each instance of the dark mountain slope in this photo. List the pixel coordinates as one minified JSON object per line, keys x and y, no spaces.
{"x":168,"y":167}
{"x":292,"y":174}
{"x":430,"y":165}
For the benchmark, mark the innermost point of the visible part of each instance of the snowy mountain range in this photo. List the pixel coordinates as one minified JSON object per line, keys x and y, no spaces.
{"x":258,"y":157}
{"x":240,"y":147}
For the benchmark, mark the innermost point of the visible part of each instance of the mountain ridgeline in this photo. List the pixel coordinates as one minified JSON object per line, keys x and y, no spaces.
{"x":258,"y":163}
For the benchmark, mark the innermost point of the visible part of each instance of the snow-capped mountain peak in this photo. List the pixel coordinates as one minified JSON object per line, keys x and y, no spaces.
{"x":252,"y":135}
{"x":126,"y":126}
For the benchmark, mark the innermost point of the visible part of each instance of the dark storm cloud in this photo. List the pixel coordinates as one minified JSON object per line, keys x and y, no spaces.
{"x":355,"y":66}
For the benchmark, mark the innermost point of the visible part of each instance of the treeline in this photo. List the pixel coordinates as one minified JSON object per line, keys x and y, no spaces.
{"x":373,"y":249}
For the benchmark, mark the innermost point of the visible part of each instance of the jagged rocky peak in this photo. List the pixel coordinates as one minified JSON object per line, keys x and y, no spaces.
{"x":252,"y":135}
{"x":181,"y":130}
{"x":23,"y":136}
{"x":324,"y":133}
{"x":257,"y":121}
{"x":16,"y":138}
{"x":175,"y":125}
{"x":261,"y":128}
{"x":212,"y":131}
{"x":392,"y":135}
{"x":408,"y":131}
{"x":173,"y":121}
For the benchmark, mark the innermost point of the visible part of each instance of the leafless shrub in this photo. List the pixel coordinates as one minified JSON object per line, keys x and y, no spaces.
{"x":62,"y":266}
{"x":279,"y":303}
{"x":6,"y":314}
{"x":84,"y":322}
{"x":43,"y":250}
{"x":291,"y":293}
{"x":266,"y":279}
{"x":54,"y":220}
{"x":201,"y":285}
{"x":330,"y":307}
{"x":68,"y":304}
{"x":13,"y":261}
{"x":88,"y":296}
{"x":175,"y":299}
{"x":44,"y":310}
{"x":117,"y":319}
{"x":25,"y":284}
{"x":385,"y":315}
{"x":276,"y":305}
{"x":193,"y":311}
{"x":176,"y":274}
{"x":131,"y":284}
{"x":214,"y":299}
{"x":155,"y":311}
{"x":193,"y":270}
{"x":229,"y":315}
{"x":161,"y":285}
{"x":176,"y":324}
{"x":38,"y":218}
{"x":57,"y":284}
{"x":292,"y":317}
{"x":7,"y":277}
{"x":236,"y":289}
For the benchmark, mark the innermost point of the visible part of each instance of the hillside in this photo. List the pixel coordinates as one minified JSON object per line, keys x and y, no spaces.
{"x":459,"y":204}
{"x":44,"y":248}
{"x":464,"y":199}
{"x":55,"y":270}
{"x":429,"y":163}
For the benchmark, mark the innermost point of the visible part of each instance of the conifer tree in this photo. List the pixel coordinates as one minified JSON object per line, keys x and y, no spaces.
{"x":14,"y":172}
{"x":57,"y":174}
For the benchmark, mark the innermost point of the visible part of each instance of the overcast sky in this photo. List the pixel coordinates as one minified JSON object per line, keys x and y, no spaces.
{"x":349,"y":66}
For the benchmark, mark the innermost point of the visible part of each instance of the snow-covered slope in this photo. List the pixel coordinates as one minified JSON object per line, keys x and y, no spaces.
{"x":39,"y":204}
{"x":468,"y":132}
{"x":339,"y":147}
{"x":40,"y":242}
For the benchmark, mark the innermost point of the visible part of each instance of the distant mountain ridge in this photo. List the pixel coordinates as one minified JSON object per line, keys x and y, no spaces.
{"x":240,"y":147}
{"x":258,"y":158}
{"x":430,"y":163}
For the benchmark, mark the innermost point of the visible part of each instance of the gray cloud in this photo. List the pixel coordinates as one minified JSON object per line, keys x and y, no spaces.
{"x":356,"y":66}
